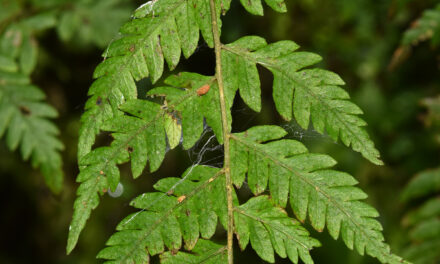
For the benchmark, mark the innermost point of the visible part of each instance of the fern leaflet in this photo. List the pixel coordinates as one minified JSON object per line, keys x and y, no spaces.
{"x":269,"y":229}
{"x":204,"y":252}
{"x":160,"y":31}
{"x":188,"y":208}
{"x":140,"y":130}
{"x":326,"y":196}
{"x":305,"y":93}
{"x":423,"y":222}
{"x":426,"y":27}
{"x":24,"y":117}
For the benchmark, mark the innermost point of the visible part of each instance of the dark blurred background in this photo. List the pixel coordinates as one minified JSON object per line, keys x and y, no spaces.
{"x":356,"y":38}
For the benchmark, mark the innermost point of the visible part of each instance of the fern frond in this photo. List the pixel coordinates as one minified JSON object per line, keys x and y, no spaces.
{"x":160,"y":30}
{"x":185,"y":211}
{"x":269,"y":229}
{"x":326,"y":196}
{"x":304,"y":93}
{"x":205,"y":251}
{"x":25,"y":119}
{"x":424,"y":28}
{"x":423,"y":222}
{"x":140,"y":131}
{"x":186,"y":208}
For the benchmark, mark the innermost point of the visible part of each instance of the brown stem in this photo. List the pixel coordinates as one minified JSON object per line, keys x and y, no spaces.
{"x":226,"y":133}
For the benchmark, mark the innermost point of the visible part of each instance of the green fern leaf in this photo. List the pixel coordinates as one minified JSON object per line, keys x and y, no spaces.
{"x":188,"y":208}
{"x":306,"y":93}
{"x":256,"y":8}
{"x":204,"y":252}
{"x":8,"y":8}
{"x":24,"y":117}
{"x":28,"y":55}
{"x":269,"y":229}
{"x":138,"y":137}
{"x":424,"y":233}
{"x":195,"y":97}
{"x":426,"y":27}
{"x":327,"y":197}
{"x":93,"y":22}
{"x":425,"y":183}
{"x":140,"y":130}
{"x":93,"y":183}
{"x":159,"y":31}
{"x":430,"y":208}
{"x":141,"y":134}
{"x":184,"y":208}
{"x":423,"y":222}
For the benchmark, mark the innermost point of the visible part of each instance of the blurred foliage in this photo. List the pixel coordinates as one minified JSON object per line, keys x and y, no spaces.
{"x":356,"y":38}
{"x":426,"y":27}
{"x":424,"y":192}
{"x":423,"y":222}
{"x":88,"y":21}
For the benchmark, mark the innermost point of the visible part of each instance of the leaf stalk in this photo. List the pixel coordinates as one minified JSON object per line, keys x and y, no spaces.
{"x":226,"y":133}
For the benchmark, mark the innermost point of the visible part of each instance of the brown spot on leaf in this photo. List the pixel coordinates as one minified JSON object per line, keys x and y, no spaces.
{"x":181,"y":198}
{"x":25,"y":111}
{"x":101,"y":172}
{"x":132,"y":47}
{"x":203,"y":90}
{"x":86,"y":20}
{"x":130,"y":149}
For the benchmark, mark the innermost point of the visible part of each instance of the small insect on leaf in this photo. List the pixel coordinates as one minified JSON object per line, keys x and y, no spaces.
{"x":203,"y":90}
{"x":181,"y":198}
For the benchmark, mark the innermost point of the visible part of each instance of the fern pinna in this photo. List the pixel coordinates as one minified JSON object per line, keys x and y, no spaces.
{"x":24,"y":117}
{"x":423,"y":221}
{"x":177,"y":221}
